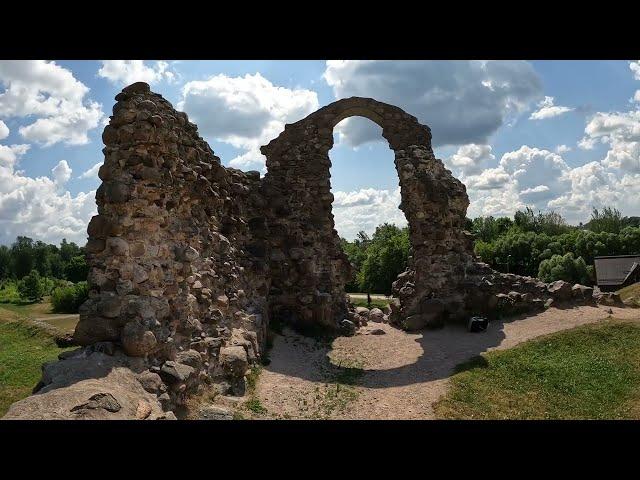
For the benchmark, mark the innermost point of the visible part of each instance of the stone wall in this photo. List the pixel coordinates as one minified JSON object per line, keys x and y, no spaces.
{"x":173,"y":276}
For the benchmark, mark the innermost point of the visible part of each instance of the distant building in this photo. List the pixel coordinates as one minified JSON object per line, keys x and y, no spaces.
{"x":617,"y":271}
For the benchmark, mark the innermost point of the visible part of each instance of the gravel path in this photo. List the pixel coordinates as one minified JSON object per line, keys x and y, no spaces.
{"x":396,"y":375}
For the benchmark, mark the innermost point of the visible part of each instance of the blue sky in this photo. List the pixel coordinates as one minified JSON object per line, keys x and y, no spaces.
{"x":562,"y":135}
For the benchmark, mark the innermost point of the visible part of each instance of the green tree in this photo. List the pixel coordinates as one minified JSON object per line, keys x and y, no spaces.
{"x":608,"y":220}
{"x":22,"y":257}
{"x":77,"y":269}
{"x":387,"y":256}
{"x":31,"y":287}
{"x":564,"y":267}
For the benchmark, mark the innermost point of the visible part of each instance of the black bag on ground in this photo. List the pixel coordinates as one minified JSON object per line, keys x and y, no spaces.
{"x":477,"y":324}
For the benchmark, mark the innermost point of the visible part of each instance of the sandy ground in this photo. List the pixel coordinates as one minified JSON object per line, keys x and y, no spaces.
{"x":403,"y":374}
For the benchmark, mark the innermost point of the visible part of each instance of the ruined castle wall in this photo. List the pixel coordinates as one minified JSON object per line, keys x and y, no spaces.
{"x":310,"y":270}
{"x":176,"y":274}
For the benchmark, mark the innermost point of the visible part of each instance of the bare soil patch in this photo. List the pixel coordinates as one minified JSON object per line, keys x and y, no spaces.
{"x":395,"y":375}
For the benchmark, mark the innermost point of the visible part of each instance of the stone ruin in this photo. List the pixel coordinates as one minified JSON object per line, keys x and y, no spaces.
{"x":190,"y":260}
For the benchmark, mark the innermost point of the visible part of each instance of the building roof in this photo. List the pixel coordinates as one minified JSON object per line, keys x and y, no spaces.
{"x":615,"y":269}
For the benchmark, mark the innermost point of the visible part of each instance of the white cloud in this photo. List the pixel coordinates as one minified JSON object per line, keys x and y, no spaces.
{"x":560,"y":149}
{"x":246,"y":112}
{"x":470,"y":159}
{"x":542,"y":180}
{"x":51,"y":94}
{"x":365,"y":209}
{"x":4,"y":130}
{"x":461,"y":101}
{"x":546,"y":109}
{"x":635,"y":68}
{"x":531,"y":167}
{"x":9,"y":154}
{"x":126,"y":72}
{"x":621,"y":131}
{"x":489,"y":179}
{"x":587,"y":143}
{"x":37,"y":207}
{"x":61,"y":173}
{"x":92,"y":172}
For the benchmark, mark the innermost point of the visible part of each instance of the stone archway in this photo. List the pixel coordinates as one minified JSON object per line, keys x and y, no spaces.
{"x":309,"y":269}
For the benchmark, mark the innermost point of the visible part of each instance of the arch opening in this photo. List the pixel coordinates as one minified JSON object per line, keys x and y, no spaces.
{"x":365,"y":185}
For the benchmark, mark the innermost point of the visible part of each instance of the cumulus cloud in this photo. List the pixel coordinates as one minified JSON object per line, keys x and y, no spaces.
{"x":560,"y":149}
{"x":61,"y":173}
{"x":621,"y":132}
{"x":246,"y":112}
{"x":532,"y":167}
{"x":53,"y":96}
{"x":528,"y":176}
{"x":9,"y":154}
{"x":462,"y":101}
{"x":546,"y":109}
{"x":635,"y":68}
{"x":126,"y":72}
{"x":470,"y":159}
{"x":38,"y":207}
{"x":365,"y":209}
{"x":4,"y":130}
{"x":542,"y":180}
{"x":489,"y":179}
{"x":92,"y":172}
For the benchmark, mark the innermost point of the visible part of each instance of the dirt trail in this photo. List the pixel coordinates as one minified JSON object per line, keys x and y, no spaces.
{"x":396,"y":375}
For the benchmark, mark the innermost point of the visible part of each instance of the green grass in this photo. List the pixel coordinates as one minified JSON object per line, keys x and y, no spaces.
{"x":23,"y":350}
{"x":362,"y":302}
{"x":254,"y":405}
{"x":631,"y":295}
{"x":590,"y":372}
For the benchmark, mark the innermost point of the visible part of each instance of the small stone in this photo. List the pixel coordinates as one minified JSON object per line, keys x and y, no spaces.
{"x":150,"y":381}
{"x":377,"y":331}
{"x":214,"y":412}
{"x":174,"y":372}
{"x":143,"y":410}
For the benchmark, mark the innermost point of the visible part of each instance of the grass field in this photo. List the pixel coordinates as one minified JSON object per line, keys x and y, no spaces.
{"x":25,"y":346}
{"x":590,"y":372}
{"x":23,"y":349}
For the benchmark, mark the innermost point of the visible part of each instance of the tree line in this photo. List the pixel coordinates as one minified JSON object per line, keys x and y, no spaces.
{"x":534,"y":244}
{"x":31,"y":270}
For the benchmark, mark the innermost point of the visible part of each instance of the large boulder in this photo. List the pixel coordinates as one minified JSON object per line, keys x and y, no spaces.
{"x":376,"y":315}
{"x":582,"y":292}
{"x":560,"y":290}
{"x":234,"y":360}
{"x":431,"y":316}
{"x":89,"y":386}
{"x":611,"y":299}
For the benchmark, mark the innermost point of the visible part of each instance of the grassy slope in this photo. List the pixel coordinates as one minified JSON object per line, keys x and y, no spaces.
{"x":631,"y":295}
{"x":590,"y":372}
{"x":24,"y":347}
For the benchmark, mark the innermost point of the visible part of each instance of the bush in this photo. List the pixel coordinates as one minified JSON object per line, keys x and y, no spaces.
{"x":564,"y":267}
{"x":9,"y":291}
{"x":31,"y":287}
{"x":68,"y":299}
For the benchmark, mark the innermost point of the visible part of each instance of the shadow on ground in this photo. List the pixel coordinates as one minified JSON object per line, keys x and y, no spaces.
{"x":437,"y":354}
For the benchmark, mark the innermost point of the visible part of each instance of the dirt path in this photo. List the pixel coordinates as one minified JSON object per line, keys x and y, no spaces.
{"x":395,"y":375}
